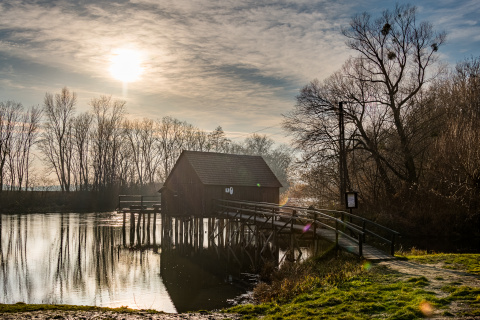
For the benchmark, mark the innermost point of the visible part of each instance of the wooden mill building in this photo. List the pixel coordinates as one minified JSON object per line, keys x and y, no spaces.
{"x":199,"y":177}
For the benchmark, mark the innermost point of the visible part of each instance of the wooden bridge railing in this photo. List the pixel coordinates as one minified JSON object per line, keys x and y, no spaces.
{"x":292,"y":217}
{"x":138,"y":202}
{"x":371,"y":228}
{"x":355,"y":228}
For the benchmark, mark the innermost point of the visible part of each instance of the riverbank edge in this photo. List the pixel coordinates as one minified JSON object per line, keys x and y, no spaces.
{"x":455,"y":294}
{"x":21,"y":311}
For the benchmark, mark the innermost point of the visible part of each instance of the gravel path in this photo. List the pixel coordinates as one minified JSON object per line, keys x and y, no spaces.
{"x":437,"y":277}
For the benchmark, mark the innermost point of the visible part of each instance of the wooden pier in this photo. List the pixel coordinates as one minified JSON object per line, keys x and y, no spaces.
{"x":264,"y":233}
{"x":256,"y":230}
{"x":143,"y":212}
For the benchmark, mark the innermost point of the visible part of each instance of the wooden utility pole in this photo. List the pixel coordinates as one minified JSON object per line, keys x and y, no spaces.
{"x":342,"y":154}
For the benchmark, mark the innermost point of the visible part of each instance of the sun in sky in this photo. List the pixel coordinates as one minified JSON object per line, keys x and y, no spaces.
{"x":126,"y":65}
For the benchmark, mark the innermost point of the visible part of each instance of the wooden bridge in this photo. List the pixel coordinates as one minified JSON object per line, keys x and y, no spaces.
{"x":266,"y":222}
{"x":260,"y":230}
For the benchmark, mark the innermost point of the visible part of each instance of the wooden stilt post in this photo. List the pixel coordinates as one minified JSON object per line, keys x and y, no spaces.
{"x":124,"y":228}
{"x":138,"y":228}
{"x":180,"y":231}
{"x":228,"y":232}
{"x":201,"y":233}
{"x":143,"y":227}
{"x":292,"y":237}
{"x":185,"y":231}
{"x":139,"y":238}
{"x":162,"y":230}
{"x":132,"y":228}
{"x":154,"y":236}
{"x":190,"y":231}
{"x":211,"y":230}
{"x":221,"y":224}
{"x":195,"y":232}
{"x":154,"y":225}
{"x":148,"y":227}
{"x":237,"y":230}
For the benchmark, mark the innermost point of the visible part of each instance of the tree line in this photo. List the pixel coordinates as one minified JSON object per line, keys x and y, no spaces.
{"x":103,"y":149}
{"x":411,"y":127}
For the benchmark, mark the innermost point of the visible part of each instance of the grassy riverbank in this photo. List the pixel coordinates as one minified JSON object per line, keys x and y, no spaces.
{"x":341,"y":286}
{"x":344,"y":287}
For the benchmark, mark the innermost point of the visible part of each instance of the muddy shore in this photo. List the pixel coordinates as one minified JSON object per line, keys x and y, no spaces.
{"x":109,"y":315}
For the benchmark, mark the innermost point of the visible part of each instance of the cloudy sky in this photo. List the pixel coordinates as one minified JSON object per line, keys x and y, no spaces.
{"x":238,"y":64}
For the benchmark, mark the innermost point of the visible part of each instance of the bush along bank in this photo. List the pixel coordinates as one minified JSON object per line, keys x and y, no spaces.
{"x":13,"y":202}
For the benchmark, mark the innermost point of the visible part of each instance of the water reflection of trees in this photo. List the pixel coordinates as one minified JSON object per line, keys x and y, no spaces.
{"x":90,"y":260}
{"x":13,"y":257}
{"x":44,"y":258}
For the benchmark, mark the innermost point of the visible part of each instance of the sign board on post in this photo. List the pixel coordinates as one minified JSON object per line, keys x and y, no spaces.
{"x":351,"y":199}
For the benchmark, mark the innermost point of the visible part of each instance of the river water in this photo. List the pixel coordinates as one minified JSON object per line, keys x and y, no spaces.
{"x":88,"y":259}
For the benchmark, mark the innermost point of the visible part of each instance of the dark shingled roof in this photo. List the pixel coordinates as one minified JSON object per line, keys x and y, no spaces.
{"x":231,"y":169}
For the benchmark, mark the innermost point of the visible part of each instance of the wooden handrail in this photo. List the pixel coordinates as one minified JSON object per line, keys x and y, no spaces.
{"x":346,"y":224}
{"x":136,"y":199}
{"x":322,"y":210}
{"x":315,"y":215}
{"x":319,"y":210}
{"x":293,"y":216}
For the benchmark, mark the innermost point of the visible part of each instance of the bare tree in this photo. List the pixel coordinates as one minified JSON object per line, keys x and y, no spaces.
{"x":218,"y":141}
{"x":9,"y":114}
{"x":455,"y":158}
{"x":140,"y":137}
{"x":107,"y":140}
{"x":380,"y":87}
{"x":82,"y":126}
{"x":126,"y":169}
{"x":56,"y":142}
{"x":25,"y":137}
{"x":169,"y":143}
{"x":257,"y":144}
{"x":200,"y":140}
{"x":395,"y":55}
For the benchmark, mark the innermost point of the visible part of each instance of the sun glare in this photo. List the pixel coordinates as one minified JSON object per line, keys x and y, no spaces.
{"x":126,"y":65}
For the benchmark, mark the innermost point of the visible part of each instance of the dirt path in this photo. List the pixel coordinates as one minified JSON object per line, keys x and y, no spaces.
{"x":438,"y":277}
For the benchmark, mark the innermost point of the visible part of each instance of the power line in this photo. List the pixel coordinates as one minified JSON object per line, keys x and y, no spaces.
{"x":247,"y":134}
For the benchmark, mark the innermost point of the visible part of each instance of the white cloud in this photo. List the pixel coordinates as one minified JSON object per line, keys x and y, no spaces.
{"x":236,"y":62}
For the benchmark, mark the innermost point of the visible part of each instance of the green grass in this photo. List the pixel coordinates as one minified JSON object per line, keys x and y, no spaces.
{"x":345,"y":288}
{"x":371,"y":294}
{"x":23,"y":307}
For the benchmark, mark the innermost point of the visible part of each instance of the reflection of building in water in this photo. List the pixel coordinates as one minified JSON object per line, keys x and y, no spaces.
{"x":196,"y":272}
{"x":198,"y":280}
{"x":220,"y":261}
